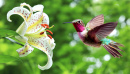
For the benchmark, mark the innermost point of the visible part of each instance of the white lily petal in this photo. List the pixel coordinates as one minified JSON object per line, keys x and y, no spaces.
{"x":38,"y":8}
{"x":48,"y":65}
{"x":34,"y":23}
{"x":24,"y":51}
{"x":22,"y":38}
{"x":20,"y":11}
{"x":45,"y":19}
{"x":40,"y":43}
{"x":22,"y":28}
{"x":52,"y":43}
{"x":49,"y":54}
{"x":36,"y":20}
{"x":43,"y":45}
{"x":24,"y":4}
{"x":30,"y":8}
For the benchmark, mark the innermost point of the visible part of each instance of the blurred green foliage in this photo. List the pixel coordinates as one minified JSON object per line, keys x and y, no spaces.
{"x":7,"y":33}
{"x":71,"y":56}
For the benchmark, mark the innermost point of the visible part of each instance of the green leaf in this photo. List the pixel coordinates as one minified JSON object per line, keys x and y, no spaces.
{"x":7,"y":33}
{"x":7,"y":58}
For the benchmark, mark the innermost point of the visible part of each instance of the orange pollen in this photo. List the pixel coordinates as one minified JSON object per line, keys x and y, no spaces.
{"x":41,"y":33}
{"x":49,"y":31}
{"x":45,"y":25}
{"x":49,"y":36}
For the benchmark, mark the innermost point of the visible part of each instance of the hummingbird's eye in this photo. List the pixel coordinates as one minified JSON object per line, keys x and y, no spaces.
{"x":79,"y":21}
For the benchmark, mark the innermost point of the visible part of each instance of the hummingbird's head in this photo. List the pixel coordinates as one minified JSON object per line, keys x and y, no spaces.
{"x":79,"y":25}
{"x":78,"y":21}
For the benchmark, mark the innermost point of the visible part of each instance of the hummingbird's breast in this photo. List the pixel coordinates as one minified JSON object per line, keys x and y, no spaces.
{"x":87,"y":40}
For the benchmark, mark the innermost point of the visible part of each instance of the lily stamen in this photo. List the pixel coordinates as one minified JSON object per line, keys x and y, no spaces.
{"x":49,"y":36}
{"x":51,"y":27}
{"x":41,"y":33}
{"x":45,"y":25}
{"x":49,"y":31}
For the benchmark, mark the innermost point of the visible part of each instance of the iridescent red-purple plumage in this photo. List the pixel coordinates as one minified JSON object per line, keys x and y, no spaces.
{"x":79,"y":26}
{"x":102,"y":31}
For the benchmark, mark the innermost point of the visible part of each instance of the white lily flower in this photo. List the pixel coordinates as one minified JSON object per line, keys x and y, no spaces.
{"x":33,"y":31}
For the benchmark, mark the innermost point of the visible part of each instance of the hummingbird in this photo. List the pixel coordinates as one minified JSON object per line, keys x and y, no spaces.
{"x":95,"y":32}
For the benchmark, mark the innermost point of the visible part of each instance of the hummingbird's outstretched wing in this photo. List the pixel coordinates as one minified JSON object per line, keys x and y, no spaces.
{"x":96,"y":21}
{"x":100,"y":32}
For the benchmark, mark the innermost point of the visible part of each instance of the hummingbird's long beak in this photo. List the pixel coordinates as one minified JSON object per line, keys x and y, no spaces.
{"x":67,"y":22}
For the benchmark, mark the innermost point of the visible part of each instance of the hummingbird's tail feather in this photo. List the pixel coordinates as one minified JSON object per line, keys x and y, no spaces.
{"x":117,"y":44}
{"x":112,"y":49}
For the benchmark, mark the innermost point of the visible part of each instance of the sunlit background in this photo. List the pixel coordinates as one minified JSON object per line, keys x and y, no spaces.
{"x":71,"y":56}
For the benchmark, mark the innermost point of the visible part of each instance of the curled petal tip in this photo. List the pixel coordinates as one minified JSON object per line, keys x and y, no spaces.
{"x":38,"y":8}
{"x":9,"y":20}
{"x":48,"y":65}
{"x":22,"y":4}
{"x":8,"y":16}
{"x":44,"y":67}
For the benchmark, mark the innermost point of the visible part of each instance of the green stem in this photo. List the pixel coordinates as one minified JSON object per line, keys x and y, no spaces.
{"x":51,"y":27}
{"x":14,"y":41}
